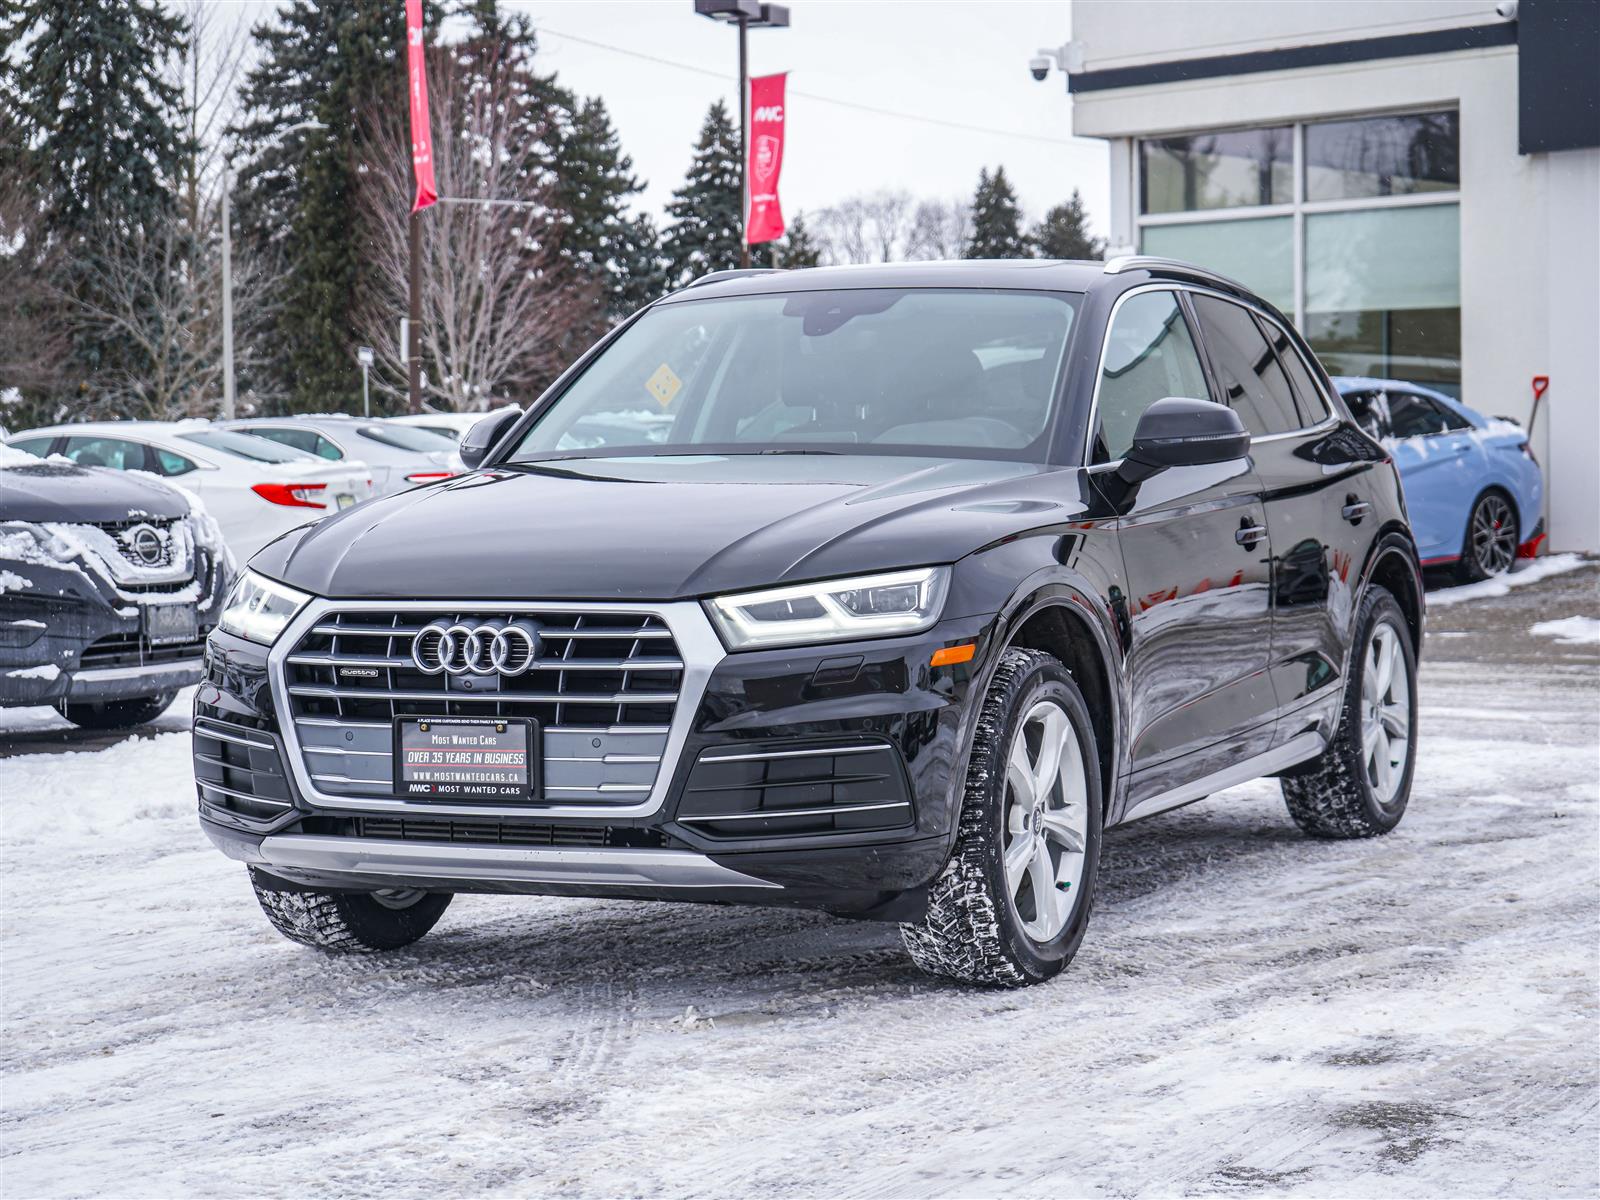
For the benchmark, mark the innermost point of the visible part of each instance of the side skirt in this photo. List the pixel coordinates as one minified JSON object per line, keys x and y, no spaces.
{"x":1293,"y":752}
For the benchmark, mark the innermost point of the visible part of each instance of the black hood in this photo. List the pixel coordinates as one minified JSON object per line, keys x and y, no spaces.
{"x":667,"y":527}
{"x":59,"y":491}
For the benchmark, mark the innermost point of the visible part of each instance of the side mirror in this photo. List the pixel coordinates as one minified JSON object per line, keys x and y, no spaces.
{"x":480,"y":439}
{"x":1180,"y":432}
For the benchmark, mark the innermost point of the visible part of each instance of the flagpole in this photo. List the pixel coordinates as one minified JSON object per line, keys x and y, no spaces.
{"x":744,"y":145}
{"x":414,"y":324}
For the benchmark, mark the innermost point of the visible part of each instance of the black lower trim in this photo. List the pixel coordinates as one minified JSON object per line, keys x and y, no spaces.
{"x":1289,"y":58}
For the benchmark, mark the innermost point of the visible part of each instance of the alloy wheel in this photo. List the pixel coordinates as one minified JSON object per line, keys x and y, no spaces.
{"x":1047,"y":820}
{"x":1385,"y":712}
{"x":1494,"y":535}
{"x":397,"y":899}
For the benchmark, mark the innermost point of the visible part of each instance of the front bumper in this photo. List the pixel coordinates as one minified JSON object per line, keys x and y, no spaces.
{"x":823,"y":776}
{"x":72,"y":637}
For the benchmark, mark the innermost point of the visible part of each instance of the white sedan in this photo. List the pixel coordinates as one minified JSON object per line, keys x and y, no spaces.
{"x":452,"y":425}
{"x":255,"y":489}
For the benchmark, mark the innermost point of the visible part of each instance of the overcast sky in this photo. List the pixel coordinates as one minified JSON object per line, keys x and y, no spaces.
{"x":959,"y":62}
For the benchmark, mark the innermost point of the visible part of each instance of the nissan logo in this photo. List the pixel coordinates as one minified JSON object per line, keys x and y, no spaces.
{"x":480,"y":649}
{"x":144,"y":541}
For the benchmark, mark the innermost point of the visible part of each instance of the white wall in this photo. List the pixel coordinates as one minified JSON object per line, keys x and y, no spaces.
{"x":1126,"y":33}
{"x":1530,"y":227}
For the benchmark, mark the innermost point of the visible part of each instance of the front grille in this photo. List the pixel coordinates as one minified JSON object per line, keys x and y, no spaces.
{"x":603,"y":688}
{"x":119,"y":531}
{"x":134,"y":651}
{"x":239,"y":770}
{"x":507,"y":833}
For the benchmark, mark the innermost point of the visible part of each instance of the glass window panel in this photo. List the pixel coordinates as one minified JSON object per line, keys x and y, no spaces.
{"x":1217,"y":170}
{"x":1382,"y":156}
{"x":1253,"y":383}
{"x":1383,"y":293}
{"x":1414,"y":416}
{"x":106,"y":452}
{"x":1258,"y":252}
{"x":1149,"y":355}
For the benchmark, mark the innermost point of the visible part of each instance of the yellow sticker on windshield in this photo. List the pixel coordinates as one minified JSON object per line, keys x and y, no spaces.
{"x":663,"y":384}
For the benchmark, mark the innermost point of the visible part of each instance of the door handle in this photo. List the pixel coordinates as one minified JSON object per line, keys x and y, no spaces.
{"x":1354,"y":510}
{"x":1249,"y":534}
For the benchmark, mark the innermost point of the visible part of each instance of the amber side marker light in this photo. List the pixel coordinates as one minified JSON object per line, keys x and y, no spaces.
{"x":951,"y":655}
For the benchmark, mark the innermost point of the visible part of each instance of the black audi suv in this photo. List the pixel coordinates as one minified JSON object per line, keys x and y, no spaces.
{"x":882,"y":590}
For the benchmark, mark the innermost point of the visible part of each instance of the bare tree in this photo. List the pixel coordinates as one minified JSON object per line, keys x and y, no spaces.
{"x":940,"y":229}
{"x":497,"y":302}
{"x":34,"y":339}
{"x":216,"y":51}
{"x":867,"y":228}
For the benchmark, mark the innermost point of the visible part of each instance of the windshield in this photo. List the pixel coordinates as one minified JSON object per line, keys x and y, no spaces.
{"x":407,"y":437}
{"x":870,"y":371}
{"x":242,"y":445}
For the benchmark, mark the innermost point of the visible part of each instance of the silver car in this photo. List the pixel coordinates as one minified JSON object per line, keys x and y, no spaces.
{"x":398,"y":456}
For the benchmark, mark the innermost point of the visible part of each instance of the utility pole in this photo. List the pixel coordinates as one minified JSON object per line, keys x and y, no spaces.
{"x":413,"y":347}
{"x":747,"y":15}
{"x":228,"y":411}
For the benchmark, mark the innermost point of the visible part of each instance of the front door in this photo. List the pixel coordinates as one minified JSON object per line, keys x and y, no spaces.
{"x":1196,"y":555}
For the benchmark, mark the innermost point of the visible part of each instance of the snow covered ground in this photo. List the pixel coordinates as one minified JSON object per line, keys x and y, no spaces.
{"x":1252,"y":1012}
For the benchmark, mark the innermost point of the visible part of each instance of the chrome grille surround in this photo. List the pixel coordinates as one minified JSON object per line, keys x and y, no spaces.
{"x":698,"y":651}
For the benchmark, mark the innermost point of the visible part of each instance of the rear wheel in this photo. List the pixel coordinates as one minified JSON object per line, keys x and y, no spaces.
{"x":1013,"y":902}
{"x":1360,"y":785}
{"x":117,"y":714}
{"x":349,"y":922}
{"x":1491,"y":545}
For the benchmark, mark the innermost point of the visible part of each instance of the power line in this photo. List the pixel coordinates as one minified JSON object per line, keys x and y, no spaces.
{"x":869,"y":108}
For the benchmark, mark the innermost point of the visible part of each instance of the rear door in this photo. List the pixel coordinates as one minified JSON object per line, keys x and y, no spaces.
{"x":1196,"y":555}
{"x":1442,"y":465}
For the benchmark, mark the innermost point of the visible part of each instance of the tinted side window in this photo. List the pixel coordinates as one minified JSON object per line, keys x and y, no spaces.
{"x":1452,"y":419}
{"x":1308,"y":398}
{"x":1150,"y":354}
{"x":1252,"y":379}
{"x":39,"y":447}
{"x":1414,"y":416}
{"x":300,"y":439}
{"x":169,"y":463}
{"x":106,"y":452}
{"x":1371,"y":412}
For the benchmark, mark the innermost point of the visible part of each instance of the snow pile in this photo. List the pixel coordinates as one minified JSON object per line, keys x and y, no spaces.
{"x":47,"y":672}
{"x":10,"y":581}
{"x":1570,"y":631}
{"x":1500,"y":585}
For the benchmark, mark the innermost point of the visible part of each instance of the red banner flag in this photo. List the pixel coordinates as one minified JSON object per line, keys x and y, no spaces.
{"x":765,"y":223}
{"x":421,"y":137}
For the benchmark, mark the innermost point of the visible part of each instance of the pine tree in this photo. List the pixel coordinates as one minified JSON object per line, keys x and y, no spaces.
{"x":99,"y":125}
{"x":996,"y":219}
{"x":798,"y":248}
{"x":1064,"y":232}
{"x":706,"y":232}
{"x":331,"y":63}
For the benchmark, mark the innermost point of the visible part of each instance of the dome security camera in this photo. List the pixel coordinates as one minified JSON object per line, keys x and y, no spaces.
{"x":1039,"y":67}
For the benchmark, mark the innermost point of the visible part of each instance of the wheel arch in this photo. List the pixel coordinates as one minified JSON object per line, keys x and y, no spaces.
{"x":1063,"y":621}
{"x":1393,"y":563}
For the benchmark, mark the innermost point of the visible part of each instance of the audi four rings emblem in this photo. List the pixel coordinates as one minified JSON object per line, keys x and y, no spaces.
{"x":478,"y":649}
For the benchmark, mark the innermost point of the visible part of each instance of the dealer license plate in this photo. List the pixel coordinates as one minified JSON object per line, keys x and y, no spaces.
{"x":165,"y":624}
{"x":346,"y":500}
{"x":453,"y":758}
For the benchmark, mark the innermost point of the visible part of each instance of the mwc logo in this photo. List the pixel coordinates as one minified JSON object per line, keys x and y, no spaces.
{"x":769,"y":112}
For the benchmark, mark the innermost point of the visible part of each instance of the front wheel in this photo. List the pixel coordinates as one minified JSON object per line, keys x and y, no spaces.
{"x":1359,"y":786}
{"x":117,"y":714}
{"x":1013,"y":902}
{"x":348,"y":922}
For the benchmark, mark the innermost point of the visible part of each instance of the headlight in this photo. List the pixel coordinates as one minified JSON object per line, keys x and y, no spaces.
{"x":839,"y":609}
{"x":258,"y":608}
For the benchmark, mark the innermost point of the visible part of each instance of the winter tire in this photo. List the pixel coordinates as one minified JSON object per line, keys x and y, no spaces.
{"x":348,"y":922}
{"x":1359,"y":785}
{"x":1491,"y":544}
{"x":117,"y":714}
{"x":1012,"y":904}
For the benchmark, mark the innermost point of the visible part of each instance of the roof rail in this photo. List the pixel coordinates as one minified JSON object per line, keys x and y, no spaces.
{"x":719,"y":276}
{"x":1172,"y":266}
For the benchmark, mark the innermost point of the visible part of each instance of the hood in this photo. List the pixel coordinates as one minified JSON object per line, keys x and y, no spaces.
{"x":40,"y":490}
{"x":668,"y":527}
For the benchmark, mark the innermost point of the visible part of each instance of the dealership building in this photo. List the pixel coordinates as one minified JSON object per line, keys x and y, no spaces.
{"x":1415,"y":182}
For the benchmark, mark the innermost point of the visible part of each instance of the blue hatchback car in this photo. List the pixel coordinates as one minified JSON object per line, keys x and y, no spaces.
{"x":1473,"y":489}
